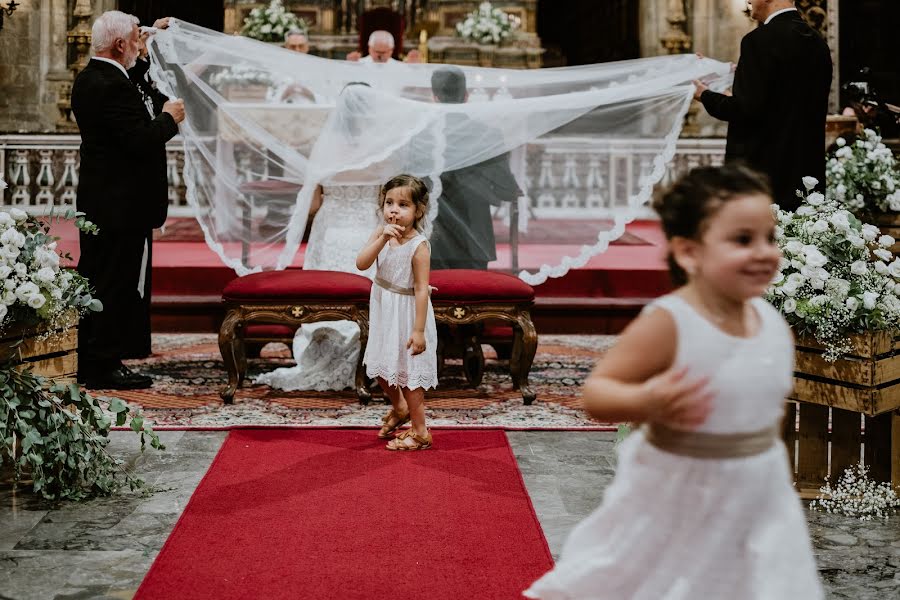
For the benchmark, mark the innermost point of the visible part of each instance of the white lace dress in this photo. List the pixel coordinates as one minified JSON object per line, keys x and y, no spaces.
{"x":327,"y":352}
{"x":678,"y":528}
{"x":392,"y":317}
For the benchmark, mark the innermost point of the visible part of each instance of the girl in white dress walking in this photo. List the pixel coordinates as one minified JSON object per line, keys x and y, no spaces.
{"x":402,"y":348}
{"x":702,"y":504}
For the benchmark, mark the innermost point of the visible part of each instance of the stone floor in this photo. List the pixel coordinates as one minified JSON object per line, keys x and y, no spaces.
{"x":565,"y":472}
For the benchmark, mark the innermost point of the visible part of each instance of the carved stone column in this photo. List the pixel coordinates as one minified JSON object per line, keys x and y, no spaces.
{"x":78,"y":38}
{"x":676,"y":40}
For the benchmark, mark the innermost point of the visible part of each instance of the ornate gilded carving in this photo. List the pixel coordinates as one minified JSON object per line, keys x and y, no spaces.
{"x":676,"y":40}
{"x":79,"y":38}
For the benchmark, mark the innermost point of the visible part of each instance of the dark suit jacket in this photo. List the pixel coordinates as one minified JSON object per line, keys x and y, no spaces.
{"x":122,"y":180}
{"x":139,"y":77}
{"x":464,"y":229}
{"x":776,"y":115}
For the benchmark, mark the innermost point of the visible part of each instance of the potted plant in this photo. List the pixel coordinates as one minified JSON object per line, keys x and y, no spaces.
{"x":51,"y":430}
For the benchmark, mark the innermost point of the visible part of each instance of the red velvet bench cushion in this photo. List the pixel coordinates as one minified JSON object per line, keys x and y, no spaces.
{"x":296,"y":285}
{"x":474,"y":286}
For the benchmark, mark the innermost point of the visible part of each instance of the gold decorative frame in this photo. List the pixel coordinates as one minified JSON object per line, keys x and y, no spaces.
{"x":238,"y":315}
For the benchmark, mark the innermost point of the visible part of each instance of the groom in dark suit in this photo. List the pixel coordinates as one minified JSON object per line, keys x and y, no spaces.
{"x":123,"y":189}
{"x":463,"y":236}
{"x":776,"y":113}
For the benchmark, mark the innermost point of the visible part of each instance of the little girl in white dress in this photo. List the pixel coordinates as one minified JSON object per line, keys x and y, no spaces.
{"x":402,"y":348}
{"x":702,"y":504}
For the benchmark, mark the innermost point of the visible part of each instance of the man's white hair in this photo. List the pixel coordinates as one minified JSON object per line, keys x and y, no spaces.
{"x":382,"y":36}
{"x":110,"y":26}
{"x":299,"y":32}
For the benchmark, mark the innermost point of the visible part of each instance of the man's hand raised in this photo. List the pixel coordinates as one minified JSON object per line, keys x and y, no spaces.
{"x":175,"y":108}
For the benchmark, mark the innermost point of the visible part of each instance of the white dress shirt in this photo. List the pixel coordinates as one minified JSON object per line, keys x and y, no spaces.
{"x":776,"y":13}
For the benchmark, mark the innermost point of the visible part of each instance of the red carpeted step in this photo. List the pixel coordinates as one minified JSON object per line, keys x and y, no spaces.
{"x":332,"y":514}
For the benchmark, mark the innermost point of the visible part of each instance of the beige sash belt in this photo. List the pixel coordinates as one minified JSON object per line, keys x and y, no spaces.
{"x":696,"y":444}
{"x":394,"y":288}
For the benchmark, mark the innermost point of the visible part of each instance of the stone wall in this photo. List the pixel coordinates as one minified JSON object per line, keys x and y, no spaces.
{"x":33,"y":63}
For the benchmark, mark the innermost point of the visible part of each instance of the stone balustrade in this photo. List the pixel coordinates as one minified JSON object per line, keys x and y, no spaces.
{"x":566,"y":176}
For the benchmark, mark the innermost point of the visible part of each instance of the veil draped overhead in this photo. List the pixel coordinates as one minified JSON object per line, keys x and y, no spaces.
{"x":572,"y":154}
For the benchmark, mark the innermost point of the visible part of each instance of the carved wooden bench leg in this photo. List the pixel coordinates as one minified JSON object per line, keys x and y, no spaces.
{"x":231,"y":345}
{"x":473,"y":361}
{"x":523,"y":352}
{"x":362,"y":383}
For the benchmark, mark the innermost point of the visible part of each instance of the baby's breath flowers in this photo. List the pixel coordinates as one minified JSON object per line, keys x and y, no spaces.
{"x":857,"y":495}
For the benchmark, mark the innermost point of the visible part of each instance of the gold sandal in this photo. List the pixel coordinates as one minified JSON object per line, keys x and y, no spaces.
{"x":419,"y":442}
{"x":391,"y":422}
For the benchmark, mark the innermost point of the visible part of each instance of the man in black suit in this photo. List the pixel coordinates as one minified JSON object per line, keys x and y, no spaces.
{"x":123,"y":189}
{"x":776,"y":113}
{"x":463,"y":236}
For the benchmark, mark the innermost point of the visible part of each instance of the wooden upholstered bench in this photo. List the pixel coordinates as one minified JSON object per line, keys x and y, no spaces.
{"x":290,"y":298}
{"x":466,"y":297}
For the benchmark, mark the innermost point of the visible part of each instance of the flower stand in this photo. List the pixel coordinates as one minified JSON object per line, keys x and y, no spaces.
{"x":846,"y":411}
{"x":48,"y":351}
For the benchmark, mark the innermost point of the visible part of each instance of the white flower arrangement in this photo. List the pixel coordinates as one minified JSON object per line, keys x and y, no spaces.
{"x":240,"y":75}
{"x":864,"y":175}
{"x":857,"y":495}
{"x":488,"y":25}
{"x":33,"y":286}
{"x":837,"y":276}
{"x":270,"y":24}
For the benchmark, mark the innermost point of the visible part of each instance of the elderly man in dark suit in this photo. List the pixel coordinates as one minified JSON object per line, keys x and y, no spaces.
{"x":463,"y":236}
{"x":776,"y":113}
{"x":123,"y":189}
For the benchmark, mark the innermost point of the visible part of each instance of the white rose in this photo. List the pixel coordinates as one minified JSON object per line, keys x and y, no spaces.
{"x":3,"y":309}
{"x":10,"y":284}
{"x":779,"y":277}
{"x":814,"y":257}
{"x":36,"y":301}
{"x":806,"y":211}
{"x":883,"y":254}
{"x":45,"y":275}
{"x":844,"y":152}
{"x":886,"y":241}
{"x":5,"y":272}
{"x":819,"y":226}
{"x":816,"y":199}
{"x":859,"y":268}
{"x":810,"y":182}
{"x":869,"y":299}
{"x":21,"y":270}
{"x":816,"y":283}
{"x":793,"y":247}
{"x":9,"y":298}
{"x":856,"y":241}
{"x":27,"y":289}
{"x":789,"y":289}
{"x":881,"y":268}
{"x":894,"y":269}
{"x":5,"y":219}
{"x":852,"y":303}
{"x":840,"y":220}
{"x":789,"y":306}
{"x":841,"y":142}
{"x":870,"y":232}
{"x":18,"y":214}
{"x":8,"y":251}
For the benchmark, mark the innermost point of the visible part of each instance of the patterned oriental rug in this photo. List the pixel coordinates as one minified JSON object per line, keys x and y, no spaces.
{"x":188,"y":375}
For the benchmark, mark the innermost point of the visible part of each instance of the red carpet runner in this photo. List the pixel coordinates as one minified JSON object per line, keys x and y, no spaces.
{"x":331,"y":514}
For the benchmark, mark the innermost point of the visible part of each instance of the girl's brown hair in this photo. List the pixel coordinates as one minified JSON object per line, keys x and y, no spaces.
{"x":687,"y":204}
{"x":417,"y":190}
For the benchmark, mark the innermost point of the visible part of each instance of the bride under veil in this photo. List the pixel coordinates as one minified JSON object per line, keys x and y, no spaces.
{"x":327,"y":352}
{"x":624,"y":117}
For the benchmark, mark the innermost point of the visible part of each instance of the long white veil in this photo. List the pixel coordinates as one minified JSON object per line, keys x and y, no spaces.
{"x":254,"y":156}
